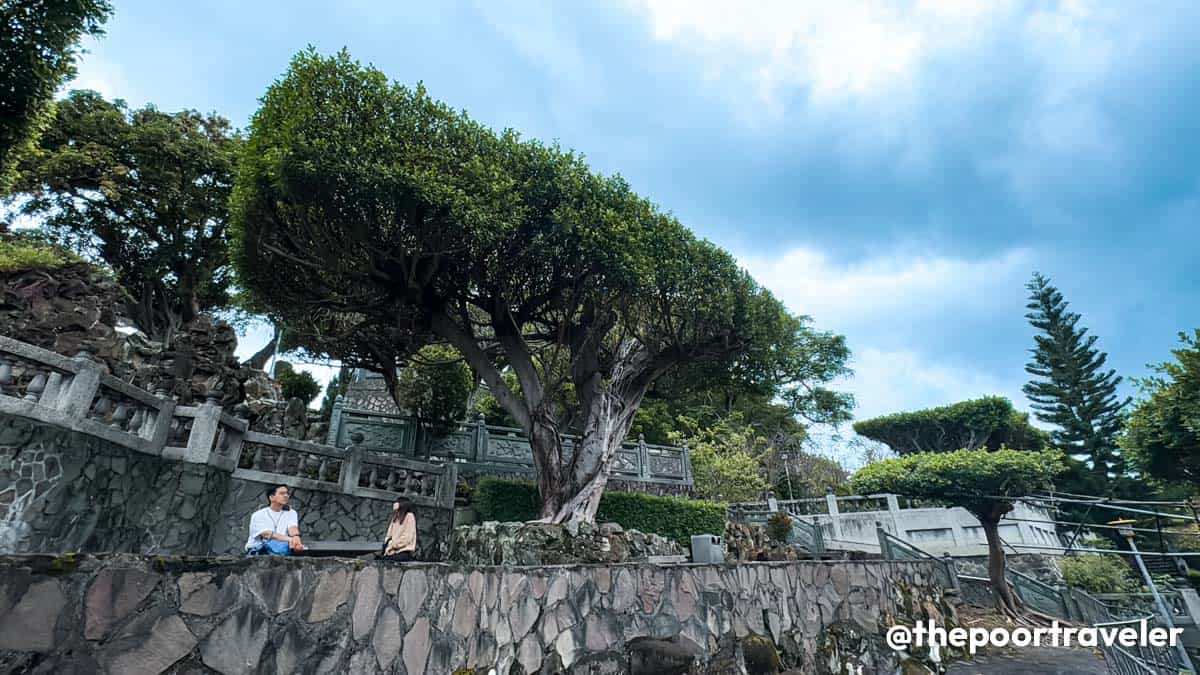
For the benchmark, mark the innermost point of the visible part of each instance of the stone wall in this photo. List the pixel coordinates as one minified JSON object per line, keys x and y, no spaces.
{"x":327,"y":516}
{"x":65,"y":491}
{"x":133,"y":615}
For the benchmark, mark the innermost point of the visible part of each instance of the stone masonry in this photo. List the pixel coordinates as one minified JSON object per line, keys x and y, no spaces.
{"x":132,"y":615}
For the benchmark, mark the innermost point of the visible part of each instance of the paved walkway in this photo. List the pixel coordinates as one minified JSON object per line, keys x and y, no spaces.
{"x":1040,"y":660}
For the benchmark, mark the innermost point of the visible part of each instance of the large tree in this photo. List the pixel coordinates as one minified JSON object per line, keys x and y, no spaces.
{"x":1070,"y":388}
{"x":1162,"y":434}
{"x":374,"y":220}
{"x":984,"y":423}
{"x":38,"y":45}
{"x":984,"y":482}
{"x":145,"y":192}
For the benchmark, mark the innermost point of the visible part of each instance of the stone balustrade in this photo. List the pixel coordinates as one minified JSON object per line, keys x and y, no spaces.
{"x":76,"y":395}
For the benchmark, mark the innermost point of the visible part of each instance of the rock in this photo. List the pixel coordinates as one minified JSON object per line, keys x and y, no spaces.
{"x":366,"y":601}
{"x":412,"y":593}
{"x":493,"y":543}
{"x":151,"y":648}
{"x":416,"y":646}
{"x":387,"y":639}
{"x":236,"y":645}
{"x":202,"y":595}
{"x":648,"y":656}
{"x":330,"y":595}
{"x":277,"y":586}
{"x":112,"y":596}
{"x":31,"y":624}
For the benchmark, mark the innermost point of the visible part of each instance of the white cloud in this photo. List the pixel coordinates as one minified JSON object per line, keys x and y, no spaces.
{"x":837,"y":50}
{"x":99,"y":74}
{"x":879,"y":290}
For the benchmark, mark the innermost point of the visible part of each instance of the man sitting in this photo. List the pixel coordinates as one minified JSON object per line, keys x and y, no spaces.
{"x":275,"y":529}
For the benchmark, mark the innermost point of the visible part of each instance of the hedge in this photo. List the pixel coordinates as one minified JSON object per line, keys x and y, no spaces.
{"x":673,"y":517}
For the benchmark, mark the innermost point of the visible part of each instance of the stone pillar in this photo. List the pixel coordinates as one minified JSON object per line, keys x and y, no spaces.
{"x":447,"y":485}
{"x":352,"y":465}
{"x":1191,"y":601}
{"x":76,"y":399}
{"x":205,"y":427}
{"x":643,"y":457}
{"x":335,"y":421}
{"x":479,"y":439}
{"x":834,"y":522}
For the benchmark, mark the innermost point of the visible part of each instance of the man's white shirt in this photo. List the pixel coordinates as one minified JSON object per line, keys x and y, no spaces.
{"x":266,"y":520}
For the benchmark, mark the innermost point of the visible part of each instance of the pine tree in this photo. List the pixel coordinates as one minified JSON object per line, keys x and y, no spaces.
{"x":1070,"y":389}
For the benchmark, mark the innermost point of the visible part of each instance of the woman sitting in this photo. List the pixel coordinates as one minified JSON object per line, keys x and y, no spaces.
{"x":401,"y":540}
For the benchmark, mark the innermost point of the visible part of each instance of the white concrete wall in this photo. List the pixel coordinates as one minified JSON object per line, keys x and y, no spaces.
{"x":935,"y":530}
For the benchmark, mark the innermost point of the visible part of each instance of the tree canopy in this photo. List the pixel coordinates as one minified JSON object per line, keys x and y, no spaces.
{"x":1069,"y":388}
{"x":435,"y":387}
{"x":146,"y":193}
{"x":984,"y":423}
{"x":983,"y":482}
{"x":1162,"y":434}
{"x":39,"y":41}
{"x":375,"y":220}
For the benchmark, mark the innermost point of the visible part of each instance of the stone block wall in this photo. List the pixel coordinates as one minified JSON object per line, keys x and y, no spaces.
{"x":123,"y":614}
{"x":327,"y":516}
{"x":67,"y":491}
{"x":64,"y":491}
{"x":1040,"y":566}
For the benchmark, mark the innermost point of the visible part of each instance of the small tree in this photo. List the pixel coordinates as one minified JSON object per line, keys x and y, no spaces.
{"x":296,"y":383}
{"x":146,"y":193}
{"x":39,"y":41}
{"x":982,"y":482}
{"x":1162,"y":434}
{"x":984,"y":423}
{"x":337,"y":387}
{"x":435,"y":386}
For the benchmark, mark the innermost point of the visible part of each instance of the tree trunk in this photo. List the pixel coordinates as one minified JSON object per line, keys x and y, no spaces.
{"x":571,"y":490}
{"x":1006,"y":601}
{"x":259,"y":360}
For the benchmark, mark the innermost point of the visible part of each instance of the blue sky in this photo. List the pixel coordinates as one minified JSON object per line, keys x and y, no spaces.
{"x":895,"y":170}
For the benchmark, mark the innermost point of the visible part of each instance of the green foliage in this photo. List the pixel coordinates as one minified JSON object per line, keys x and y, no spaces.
{"x":989,"y":422}
{"x":376,"y":220}
{"x":38,"y":45}
{"x":296,"y":383}
{"x":727,"y":461}
{"x":146,"y":193}
{"x":779,"y":526}
{"x":1069,"y":388}
{"x":971,"y":479}
{"x":810,"y":475}
{"x":1162,"y":434}
{"x":18,"y":254}
{"x":672,"y":517}
{"x":435,"y":386}
{"x":1097,"y":573}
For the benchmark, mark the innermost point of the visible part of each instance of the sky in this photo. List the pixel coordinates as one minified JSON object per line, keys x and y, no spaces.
{"x":896,"y":170}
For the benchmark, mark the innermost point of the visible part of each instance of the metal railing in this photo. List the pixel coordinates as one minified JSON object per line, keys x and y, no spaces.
{"x":76,"y":394}
{"x":894,"y":548}
{"x":1138,"y":659}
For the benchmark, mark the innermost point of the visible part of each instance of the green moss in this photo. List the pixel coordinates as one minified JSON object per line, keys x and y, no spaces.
{"x":64,"y":564}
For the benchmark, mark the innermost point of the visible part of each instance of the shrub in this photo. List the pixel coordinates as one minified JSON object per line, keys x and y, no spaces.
{"x":1097,"y":573}
{"x":18,"y":254}
{"x":296,"y":383}
{"x":673,"y":517}
{"x":779,"y":526}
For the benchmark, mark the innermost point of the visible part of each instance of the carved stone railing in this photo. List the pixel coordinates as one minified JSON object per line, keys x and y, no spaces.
{"x":76,"y":394}
{"x":478,"y":447}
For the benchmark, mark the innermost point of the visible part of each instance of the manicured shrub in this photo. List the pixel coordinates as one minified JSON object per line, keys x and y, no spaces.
{"x":673,"y":517}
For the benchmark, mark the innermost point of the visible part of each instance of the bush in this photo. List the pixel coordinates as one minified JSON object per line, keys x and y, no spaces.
{"x":18,"y":254}
{"x":1097,"y":573}
{"x":296,"y":383}
{"x":779,"y":526}
{"x":672,"y":517}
